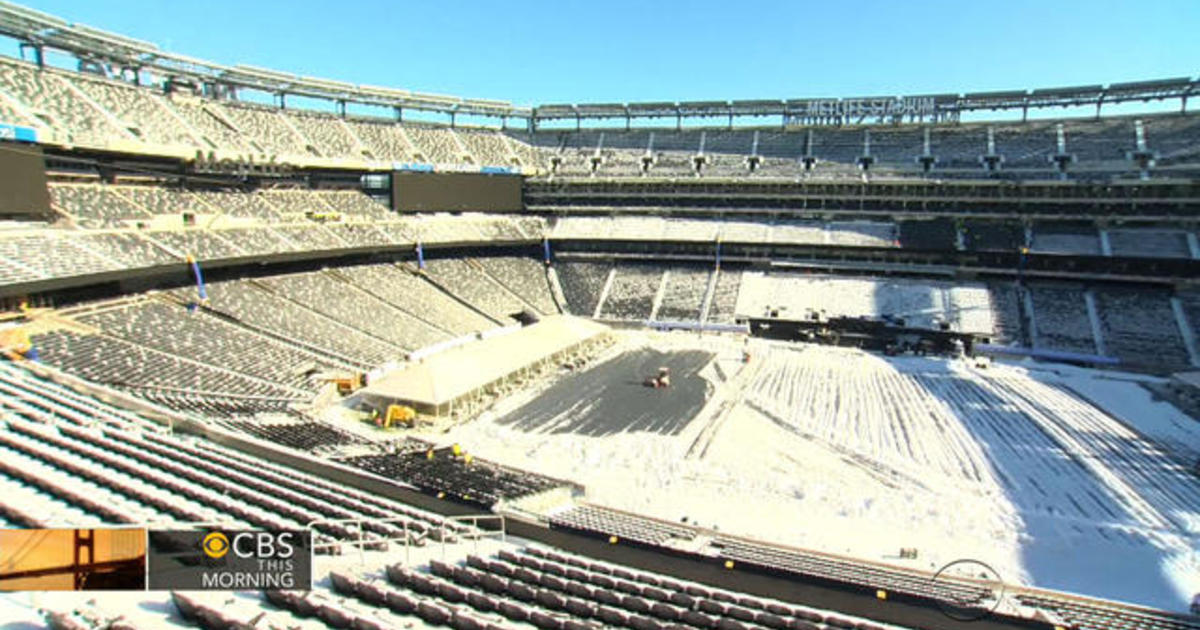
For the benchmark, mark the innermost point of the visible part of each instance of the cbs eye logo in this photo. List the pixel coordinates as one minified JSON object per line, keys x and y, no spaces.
{"x":215,"y":545}
{"x":247,"y":545}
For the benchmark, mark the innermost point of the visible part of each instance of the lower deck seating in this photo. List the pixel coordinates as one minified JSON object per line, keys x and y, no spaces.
{"x":849,"y":572}
{"x":116,"y":467}
{"x":1139,"y":326}
{"x":211,"y":405}
{"x":336,"y":495}
{"x":302,"y":435}
{"x":683,"y":296}
{"x":1087,"y":615}
{"x":550,"y":589}
{"x":1006,"y":313}
{"x":606,"y":522}
{"x":406,"y":289}
{"x":119,"y":363}
{"x":199,"y":336}
{"x":723,"y":303}
{"x":467,"y":280}
{"x":525,"y":277}
{"x":631,"y":295}
{"x":582,"y":283}
{"x":252,"y":305}
{"x":331,"y":295}
{"x":1061,"y":318}
{"x":601,"y":520}
{"x":439,"y":471}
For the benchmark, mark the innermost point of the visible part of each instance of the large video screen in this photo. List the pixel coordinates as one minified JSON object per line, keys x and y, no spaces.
{"x":23,"y":181}
{"x":412,"y":191}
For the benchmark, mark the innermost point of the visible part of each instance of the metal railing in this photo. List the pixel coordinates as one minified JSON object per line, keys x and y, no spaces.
{"x":446,"y":530}
{"x":476,"y":532}
{"x":361,"y":542}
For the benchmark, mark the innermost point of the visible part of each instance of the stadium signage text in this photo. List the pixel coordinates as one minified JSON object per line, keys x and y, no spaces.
{"x":801,"y":111}
{"x":242,"y":166}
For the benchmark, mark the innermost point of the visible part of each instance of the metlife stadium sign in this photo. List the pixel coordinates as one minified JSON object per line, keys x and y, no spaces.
{"x":229,"y":560}
{"x":852,"y":109}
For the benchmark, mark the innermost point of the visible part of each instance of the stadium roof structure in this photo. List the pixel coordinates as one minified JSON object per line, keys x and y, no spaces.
{"x":40,"y":30}
{"x":443,"y":381}
{"x":882,"y":109}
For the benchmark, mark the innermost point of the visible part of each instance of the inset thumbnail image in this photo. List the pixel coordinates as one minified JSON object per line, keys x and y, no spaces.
{"x":72,"y":559}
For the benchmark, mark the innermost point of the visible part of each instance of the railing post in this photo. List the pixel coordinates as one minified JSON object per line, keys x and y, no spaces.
{"x":362,"y":545}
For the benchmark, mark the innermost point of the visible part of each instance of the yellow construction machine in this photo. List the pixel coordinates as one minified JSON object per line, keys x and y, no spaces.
{"x":347,"y":385}
{"x":397,"y":416}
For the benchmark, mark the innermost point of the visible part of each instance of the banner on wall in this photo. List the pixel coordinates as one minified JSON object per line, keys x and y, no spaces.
{"x":454,"y":168}
{"x":17,"y":133}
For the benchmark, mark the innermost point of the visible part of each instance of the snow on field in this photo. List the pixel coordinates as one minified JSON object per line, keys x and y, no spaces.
{"x":1127,"y":400}
{"x":847,"y":452}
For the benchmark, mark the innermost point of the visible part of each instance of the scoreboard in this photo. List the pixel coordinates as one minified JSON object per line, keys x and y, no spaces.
{"x":23,"y":192}
{"x":417,"y":191}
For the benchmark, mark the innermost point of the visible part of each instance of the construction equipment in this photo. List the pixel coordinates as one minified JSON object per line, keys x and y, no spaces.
{"x":323,"y":217}
{"x":397,"y":415}
{"x":16,"y":345}
{"x":660,"y":380}
{"x":347,"y":385}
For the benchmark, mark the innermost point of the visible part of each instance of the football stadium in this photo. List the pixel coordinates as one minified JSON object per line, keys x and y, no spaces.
{"x":926,"y":361}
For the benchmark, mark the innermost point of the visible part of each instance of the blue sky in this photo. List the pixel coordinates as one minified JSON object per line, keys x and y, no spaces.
{"x":620,"y":51}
